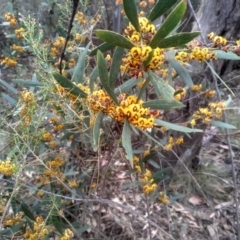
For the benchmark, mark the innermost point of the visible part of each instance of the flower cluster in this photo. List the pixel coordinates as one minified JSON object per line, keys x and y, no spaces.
{"x":171,"y":142}
{"x":205,"y":115}
{"x":39,"y":231}
{"x":136,"y":165}
{"x":197,"y":53}
{"x":27,"y":102}
{"x":196,"y":88}
{"x":129,"y":108}
{"x":57,"y":46}
{"x":72,"y":183}
{"x":163,"y":198}
{"x":53,"y":170}
{"x":217,"y":40}
{"x":18,"y":48}
{"x":13,"y":220}
{"x":81,"y":18}
{"x":148,"y":182}
{"x":134,"y":61}
{"x":68,"y":234}
{"x":7,"y":167}
{"x":11,"y":18}
{"x":9,"y":62}
{"x":19,"y":32}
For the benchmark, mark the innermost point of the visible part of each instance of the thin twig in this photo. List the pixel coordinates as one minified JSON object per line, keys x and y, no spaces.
{"x":226,"y":130}
{"x":74,"y":10}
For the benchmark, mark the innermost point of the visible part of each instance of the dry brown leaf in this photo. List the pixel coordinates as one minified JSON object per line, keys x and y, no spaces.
{"x":195,"y":200}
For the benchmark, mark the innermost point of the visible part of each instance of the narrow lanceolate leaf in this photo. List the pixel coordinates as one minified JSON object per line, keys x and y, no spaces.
{"x":116,"y":63}
{"x":176,"y":127}
{"x":8,"y":86}
{"x":169,"y":24}
{"x":103,"y":74}
{"x":126,"y":141}
{"x":149,"y":58}
{"x":162,"y":104}
{"x":161,"y":87}
{"x":220,"y":54}
{"x":177,"y":40}
{"x":93,"y":77}
{"x":9,"y":99}
{"x":28,"y":83}
{"x":96,"y":129}
{"x":115,"y":39}
{"x":160,"y":8}
{"x":130,"y":10}
{"x":68,"y":85}
{"x":227,"y":102}
{"x":78,"y":74}
{"x":127,"y":85}
{"x":103,"y":48}
{"x":181,"y":71}
{"x":222,"y":124}
{"x":27,"y":211}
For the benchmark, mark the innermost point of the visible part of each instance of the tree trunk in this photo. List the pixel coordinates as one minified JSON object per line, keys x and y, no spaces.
{"x":221,"y":17}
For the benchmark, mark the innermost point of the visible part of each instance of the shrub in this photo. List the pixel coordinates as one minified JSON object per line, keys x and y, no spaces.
{"x":85,"y":105}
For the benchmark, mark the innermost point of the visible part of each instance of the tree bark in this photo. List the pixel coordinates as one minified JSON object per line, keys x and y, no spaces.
{"x":221,"y":17}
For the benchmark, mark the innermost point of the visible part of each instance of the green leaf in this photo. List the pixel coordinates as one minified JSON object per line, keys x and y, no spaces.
{"x":126,"y":141}
{"x":28,"y":83}
{"x":222,"y":124}
{"x":10,"y":99}
{"x":127,"y":85}
{"x":143,"y":88}
{"x":27,"y":211}
{"x":78,"y":74}
{"x":34,"y":80}
{"x":103,"y":74}
{"x":116,"y":63}
{"x":161,"y":174}
{"x":161,"y":87}
{"x":130,"y":9}
{"x":8,"y":86}
{"x":96,"y":130}
{"x":11,"y":231}
{"x":220,"y":54}
{"x":169,"y":24}
{"x":182,"y":72}
{"x":72,"y":88}
{"x":103,"y":48}
{"x":115,"y":39}
{"x":57,"y":224}
{"x":154,"y":164}
{"x":162,"y":104}
{"x":176,"y":127}
{"x":93,"y":77}
{"x":227,"y":102}
{"x":10,"y":7}
{"x":149,"y":58}
{"x":177,"y":40}
{"x":160,"y":8}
